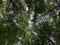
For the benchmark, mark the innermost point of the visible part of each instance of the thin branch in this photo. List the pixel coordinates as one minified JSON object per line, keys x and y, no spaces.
{"x":47,"y":36}
{"x":16,"y":7}
{"x":51,"y":41}
{"x":52,"y":9}
{"x":14,"y":4}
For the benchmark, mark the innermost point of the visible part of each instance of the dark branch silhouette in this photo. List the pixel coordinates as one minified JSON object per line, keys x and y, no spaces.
{"x":52,"y":9}
{"x":14,"y":3}
{"x":50,"y":40}
{"x":20,"y":8}
{"x":46,"y":27}
{"x":15,"y":6}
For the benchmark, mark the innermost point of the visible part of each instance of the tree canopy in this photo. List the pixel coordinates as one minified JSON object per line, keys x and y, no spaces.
{"x":29,"y":22}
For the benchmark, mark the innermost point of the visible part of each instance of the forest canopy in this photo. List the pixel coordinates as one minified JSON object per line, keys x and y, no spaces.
{"x":29,"y":22}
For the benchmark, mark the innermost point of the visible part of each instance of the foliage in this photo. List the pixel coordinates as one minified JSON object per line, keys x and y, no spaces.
{"x":29,"y":22}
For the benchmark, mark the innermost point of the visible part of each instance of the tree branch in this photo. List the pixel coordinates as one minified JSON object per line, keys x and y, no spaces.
{"x":13,"y":3}
{"x":51,"y":41}
{"x":52,"y":9}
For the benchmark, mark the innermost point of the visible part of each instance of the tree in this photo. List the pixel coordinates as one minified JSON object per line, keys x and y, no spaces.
{"x":29,"y":22}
